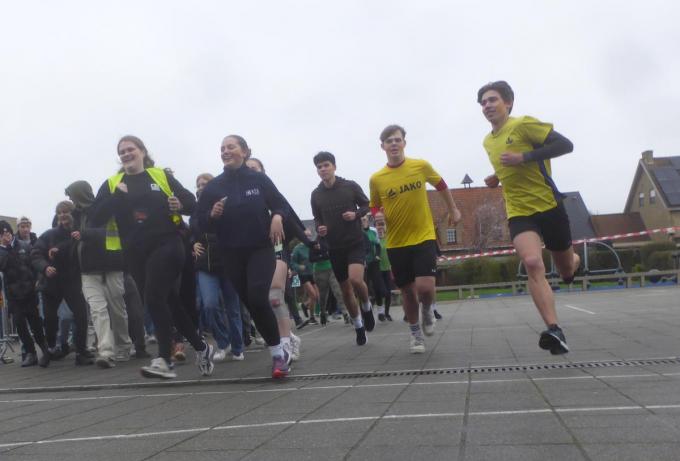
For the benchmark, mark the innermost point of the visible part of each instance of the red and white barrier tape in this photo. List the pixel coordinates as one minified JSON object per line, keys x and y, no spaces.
{"x":662,"y":230}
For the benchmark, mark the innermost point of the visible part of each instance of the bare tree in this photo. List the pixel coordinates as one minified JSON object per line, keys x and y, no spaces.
{"x":489,"y":225}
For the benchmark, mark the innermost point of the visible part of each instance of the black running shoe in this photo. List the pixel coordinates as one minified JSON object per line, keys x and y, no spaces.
{"x":369,"y":319}
{"x":361,"y":336}
{"x":312,"y":320}
{"x":381,"y":317}
{"x":437,"y":315}
{"x":553,"y":340}
{"x":388,"y":317}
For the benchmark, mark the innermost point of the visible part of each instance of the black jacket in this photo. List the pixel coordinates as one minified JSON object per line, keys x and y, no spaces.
{"x":328,"y":205}
{"x":65,"y":261}
{"x":15,"y":264}
{"x":251,"y":200}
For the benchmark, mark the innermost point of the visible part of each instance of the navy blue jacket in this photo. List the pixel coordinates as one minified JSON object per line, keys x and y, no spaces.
{"x":251,"y":200}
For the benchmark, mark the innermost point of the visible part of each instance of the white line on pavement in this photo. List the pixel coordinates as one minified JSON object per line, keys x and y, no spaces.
{"x":343,"y":386}
{"x":341,"y":420}
{"x":579,"y":309}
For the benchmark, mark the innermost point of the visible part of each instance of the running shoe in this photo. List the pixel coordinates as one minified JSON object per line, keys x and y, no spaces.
{"x":388,"y":317}
{"x":237,"y":357}
{"x":151,"y":339}
{"x":178,"y":354}
{"x":30,"y":359}
{"x":295,"y":343}
{"x":44,"y":360}
{"x":83,"y":359}
{"x":280,"y":365}
{"x":361,"y":336}
{"x":104,"y":362}
{"x":553,"y":340}
{"x":204,"y":360}
{"x":287,"y":349}
{"x":417,"y":345}
{"x":259,"y":340}
{"x":368,"y":318}
{"x":382,"y":317}
{"x":312,"y":320}
{"x":428,"y":321}
{"x":122,"y":356}
{"x":158,"y":369}
{"x":437,"y":315}
{"x":221,"y":354}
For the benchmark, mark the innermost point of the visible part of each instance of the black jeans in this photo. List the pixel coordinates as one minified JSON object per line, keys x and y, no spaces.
{"x":23,"y":312}
{"x":135,"y":312}
{"x":156,"y":272}
{"x":72,"y":293}
{"x":250,"y":271}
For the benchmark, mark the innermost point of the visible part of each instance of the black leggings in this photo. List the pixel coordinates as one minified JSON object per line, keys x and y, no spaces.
{"x":156,"y":273}
{"x":250,"y":271}
{"x":387,"y":281}
{"x":23,"y":312}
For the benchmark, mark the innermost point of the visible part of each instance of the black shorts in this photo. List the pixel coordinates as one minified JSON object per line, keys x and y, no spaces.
{"x":413,"y":261}
{"x":551,"y":225}
{"x":304,"y":278}
{"x":341,"y":258}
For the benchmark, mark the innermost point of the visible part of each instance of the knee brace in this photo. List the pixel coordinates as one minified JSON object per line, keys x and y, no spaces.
{"x":276,"y":300}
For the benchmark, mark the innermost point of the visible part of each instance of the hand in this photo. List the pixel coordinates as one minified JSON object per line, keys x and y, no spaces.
{"x":511,"y":158}
{"x":322,"y":231}
{"x":349,"y":215}
{"x":492,"y":181}
{"x":121,"y":186}
{"x":276,"y":234}
{"x":174,"y":204}
{"x":454,"y":217}
{"x":198,"y":249}
{"x":52,"y":252}
{"x":301,"y":267}
{"x":217,"y":209}
{"x":50,"y":272}
{"x":379,"y":218}
{"x":75,"y":235}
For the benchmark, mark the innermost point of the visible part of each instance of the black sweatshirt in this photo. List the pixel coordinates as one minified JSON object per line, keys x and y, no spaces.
{"x":142,"y":214}
{"x":328,"y":205}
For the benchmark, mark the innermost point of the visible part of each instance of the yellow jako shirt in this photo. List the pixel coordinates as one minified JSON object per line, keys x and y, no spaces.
{"x":528,"y":188}
{"x":401,"y":192}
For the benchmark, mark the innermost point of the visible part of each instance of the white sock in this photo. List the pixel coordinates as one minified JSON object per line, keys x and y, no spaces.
{"x":415,"y":330}
{"x":366,"y":306}
{"x":276,"y":351}
{"x":381,"y":309}
{"x":285,"y":341}
{"x":358,"y":323}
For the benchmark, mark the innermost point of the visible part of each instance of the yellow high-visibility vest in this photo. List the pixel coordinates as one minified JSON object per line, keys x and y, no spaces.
{"x":159,"y":177}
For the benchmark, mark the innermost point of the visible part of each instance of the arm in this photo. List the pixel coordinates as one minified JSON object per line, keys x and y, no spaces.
{"x":185,"y":197}
{"x":454,"y":215}
{"x":105,"y":205}
{"x":361,"y":200}
{"x":39,"y":254}
{"x":554,"y":145}
{"x":294,"y":228}
{"x":275,"y":201}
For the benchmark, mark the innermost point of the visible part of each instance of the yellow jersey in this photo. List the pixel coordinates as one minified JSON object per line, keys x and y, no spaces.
{"x":528,"y":188}
{"x":401,"y":192}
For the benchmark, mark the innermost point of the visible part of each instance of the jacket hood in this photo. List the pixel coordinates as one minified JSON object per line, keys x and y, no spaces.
{"x":81,"y":194}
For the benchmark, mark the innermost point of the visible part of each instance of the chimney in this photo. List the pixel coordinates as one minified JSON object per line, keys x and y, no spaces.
{"x":648,"y":157}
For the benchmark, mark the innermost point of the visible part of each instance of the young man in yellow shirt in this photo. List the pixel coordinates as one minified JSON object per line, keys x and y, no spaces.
{"x":520,"y":149}
{"x":399,"y":201}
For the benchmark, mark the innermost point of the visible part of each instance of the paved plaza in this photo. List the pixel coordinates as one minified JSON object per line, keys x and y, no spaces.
{"x":483,"y":391}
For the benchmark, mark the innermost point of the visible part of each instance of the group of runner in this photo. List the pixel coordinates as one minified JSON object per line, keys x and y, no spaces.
{"x":130,"y":238}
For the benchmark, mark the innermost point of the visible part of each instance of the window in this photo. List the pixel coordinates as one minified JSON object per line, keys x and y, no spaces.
{"x":652,"y":197}
{"x":641,"y":199}
{"x":450,"y":235}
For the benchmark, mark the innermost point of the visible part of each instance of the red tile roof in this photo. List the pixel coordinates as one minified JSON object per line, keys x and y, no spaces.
{"x":619,"y":223}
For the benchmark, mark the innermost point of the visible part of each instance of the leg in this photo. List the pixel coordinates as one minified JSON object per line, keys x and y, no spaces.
{"x":76,"y":302}
{"x":356,"y":277}
{"x":529,"y":249}
{"x":94,"y":292}
{"x":567,"y":263}
{"x":277,"y":298}
{"x":115,"y":289}
{"x":208,"y":287}
{"x":232,"y":307}
{"x":135,"y":314}
{"x":50,"y":311}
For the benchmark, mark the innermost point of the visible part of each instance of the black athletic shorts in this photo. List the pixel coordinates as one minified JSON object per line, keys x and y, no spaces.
{"x":341,"y":258}
{"x":551,"y":225}
{"x":304,"y":278}
{"x":413,"y":261}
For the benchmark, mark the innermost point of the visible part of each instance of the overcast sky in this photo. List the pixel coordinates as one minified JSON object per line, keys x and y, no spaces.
{"x":294,"y":78}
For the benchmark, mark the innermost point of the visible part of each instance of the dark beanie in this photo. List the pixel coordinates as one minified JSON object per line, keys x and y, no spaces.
{"x":5,"y":226}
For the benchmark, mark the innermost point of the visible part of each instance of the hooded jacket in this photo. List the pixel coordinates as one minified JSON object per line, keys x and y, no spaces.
{"x":91,"y":250}
{"x":15,"y":264}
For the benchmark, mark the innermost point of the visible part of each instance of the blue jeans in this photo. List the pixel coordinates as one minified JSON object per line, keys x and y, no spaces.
{"x":212,"y":314}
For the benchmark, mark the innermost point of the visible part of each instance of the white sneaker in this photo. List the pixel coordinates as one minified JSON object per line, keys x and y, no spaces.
{"x":158,"y":369}
{"x":221,"y":354}
{"x":295,"y":343}
{"x":237,"y":357}
{"x":259,"y":340}
{"x":428,"y":321}
{"x":417,"y":345}
{"x":204,"y":360}
{"x":288,"y":349}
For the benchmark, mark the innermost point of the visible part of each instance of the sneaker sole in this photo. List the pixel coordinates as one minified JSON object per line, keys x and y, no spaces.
{"x":103,"y":364}
{"x":553,"y":344}
{"x":417,"y":351}
{"x":154,"y":374}
{"x":280,"y":374}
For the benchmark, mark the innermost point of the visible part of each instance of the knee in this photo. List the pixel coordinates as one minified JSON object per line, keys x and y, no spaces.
{"x":534,"y":265}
